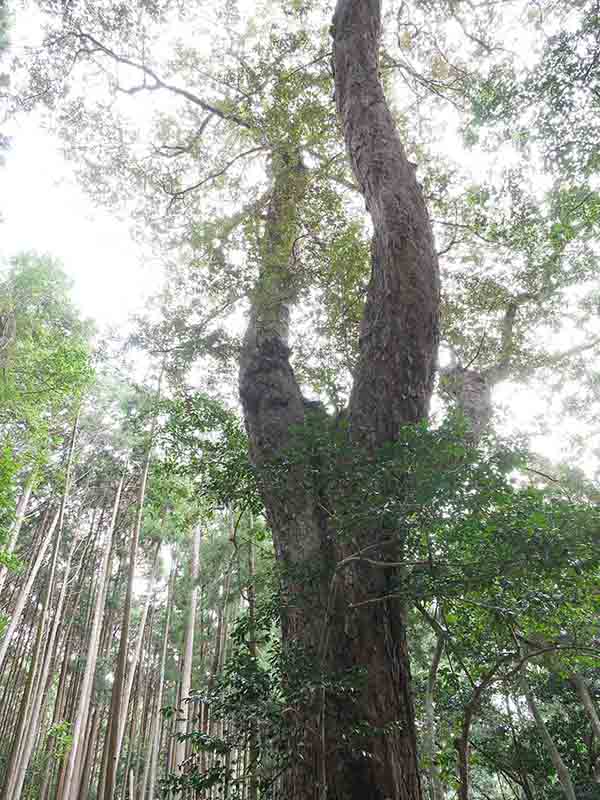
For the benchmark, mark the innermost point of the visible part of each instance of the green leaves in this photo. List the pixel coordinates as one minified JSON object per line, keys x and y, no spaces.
{"x":205,"y":441}
{"x":46,"y":359}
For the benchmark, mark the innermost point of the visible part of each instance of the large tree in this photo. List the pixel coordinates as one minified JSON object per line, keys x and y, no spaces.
{"x":332,"y":617}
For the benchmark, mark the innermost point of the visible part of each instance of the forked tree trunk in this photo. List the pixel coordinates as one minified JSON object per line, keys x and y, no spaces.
{"x":346,"y":620}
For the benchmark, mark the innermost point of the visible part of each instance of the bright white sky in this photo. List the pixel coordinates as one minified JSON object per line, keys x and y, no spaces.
{"x":44,"y":209}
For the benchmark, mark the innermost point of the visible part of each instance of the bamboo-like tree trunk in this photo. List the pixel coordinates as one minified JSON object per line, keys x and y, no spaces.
{"x":436,"y":790}
{"x":559,"y":765}
{"x":156,"y":722}
{"x":69,"y":789}
{"x":185,"y":685}
{"x":17,"y":523}
{"x":118,"y":710}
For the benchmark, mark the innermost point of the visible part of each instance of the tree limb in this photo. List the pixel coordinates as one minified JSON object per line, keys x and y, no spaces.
{"x":160,"y":84}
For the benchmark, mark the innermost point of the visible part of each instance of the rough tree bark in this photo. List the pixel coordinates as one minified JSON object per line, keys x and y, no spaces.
{"x":347,"y":620}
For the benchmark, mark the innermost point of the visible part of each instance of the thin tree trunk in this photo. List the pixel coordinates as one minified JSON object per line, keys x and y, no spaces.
{"x":135,"y":661}
{"x":559,"y":765}
{"x":57,"y":522}
{"x":587,"y":701}
{"x":90,"y":751}
{"x":253,"y":745}
{"x":26,"y":589}
{"x":118,"y":711}
{"x":41,"y":691}
{"x":156,"y":723}
{"x":71,"y":779}
{"x":188,"y":654}
{"x":17,"y":524}
{"x":13,"y":681}
{"x":23,"y":717}
{"x":436,"y":790}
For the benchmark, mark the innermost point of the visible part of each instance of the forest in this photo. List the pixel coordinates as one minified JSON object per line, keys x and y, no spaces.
{"x":321,"y":520}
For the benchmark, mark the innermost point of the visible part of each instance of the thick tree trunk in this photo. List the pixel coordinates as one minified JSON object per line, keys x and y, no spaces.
{"x":349,"y":619}
{"x":400,"y":327}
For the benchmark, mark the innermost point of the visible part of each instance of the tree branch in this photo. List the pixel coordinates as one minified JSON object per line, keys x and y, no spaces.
{"x":213,"y":175}
{"x":160,"y":84}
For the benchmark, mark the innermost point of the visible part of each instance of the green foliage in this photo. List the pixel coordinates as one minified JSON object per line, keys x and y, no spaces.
{"x":464,"y":521}
{"x":61,"y":739}
{"x":46,"y":362}
{"x":500,"y":558}
{"x":250,"y":698}
{"x":202,"y":439}
{"x":8,"y":471}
